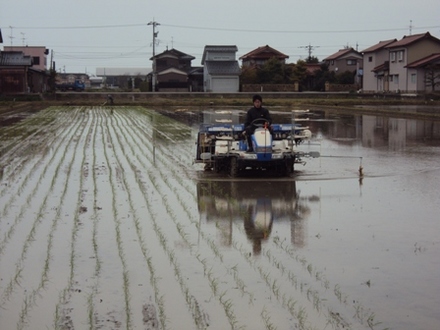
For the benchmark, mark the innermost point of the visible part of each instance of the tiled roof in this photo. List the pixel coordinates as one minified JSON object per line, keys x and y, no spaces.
{"x":385,"y":66}
{"x":378,"y":46}
{"x":264,"y":52}
{"x":176,"y":53}
{"x":223,"y":67}
{"x":341,"y":53}
{"x":407,"y":40}
{"x":15,"y":59}
{"x":433,"y":58}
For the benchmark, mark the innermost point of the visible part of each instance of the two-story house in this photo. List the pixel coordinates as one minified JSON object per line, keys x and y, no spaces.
{"x":347,"y":59}
{"x":38,"y":54}
{"x":402,"y":53}
{"x":172,"y":70}
{"x":221,"y":71}
{"x":376,"y":67}
{"x":35,"y":72}
{"x":401,"y":65}
{"x":261,"y":55}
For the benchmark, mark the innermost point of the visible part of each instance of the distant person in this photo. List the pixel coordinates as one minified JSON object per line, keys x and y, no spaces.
{"x":110,"y":99}
{"x":256,"y":112}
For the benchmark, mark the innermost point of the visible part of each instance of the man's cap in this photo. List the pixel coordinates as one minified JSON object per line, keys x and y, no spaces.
{"x":257,"y":97}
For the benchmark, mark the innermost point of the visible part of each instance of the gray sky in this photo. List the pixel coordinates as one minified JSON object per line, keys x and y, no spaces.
{"x":86,"y":34}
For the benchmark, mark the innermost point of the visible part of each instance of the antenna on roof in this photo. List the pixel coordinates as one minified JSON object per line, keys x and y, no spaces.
{"x":23,"y":38}
{"x":410,"y":27}
{"x":11,"y":37}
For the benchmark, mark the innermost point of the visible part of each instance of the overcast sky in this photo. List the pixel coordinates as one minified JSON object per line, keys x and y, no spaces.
{"x":86,"y":34}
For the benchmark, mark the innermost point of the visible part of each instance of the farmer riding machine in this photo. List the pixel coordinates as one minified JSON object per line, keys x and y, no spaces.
{"x":222,"y":146}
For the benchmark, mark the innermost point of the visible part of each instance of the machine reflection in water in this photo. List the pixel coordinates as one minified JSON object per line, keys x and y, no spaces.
{"x":256,"y":206}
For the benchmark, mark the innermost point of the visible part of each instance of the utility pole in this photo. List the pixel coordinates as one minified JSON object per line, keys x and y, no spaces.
{"x":154,"y":80}
{"x":309,"y":49}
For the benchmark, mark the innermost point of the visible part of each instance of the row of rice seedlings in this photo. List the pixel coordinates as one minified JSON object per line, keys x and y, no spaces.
{"x":238,"y":282}
{"x":146,"y":128}
{"x":11,"y":136}
{"x":198,"y":315}
{"x":43,"y":139}
{"x":44,"y":276}
{"x":286,"y":301}
{"x":211,"y":243}
{"x":31,"y":234}
{"x":95,"y":219}
{"x":117,"y":221}
{"x":215,"y":247}
{"x":31,"y":194}
{"x":154,"y":278}
{"x":184,"y":236}
{"x":319,"y":277}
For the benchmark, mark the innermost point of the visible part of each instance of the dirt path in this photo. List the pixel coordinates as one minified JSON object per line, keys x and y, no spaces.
{"x":100,"y":228}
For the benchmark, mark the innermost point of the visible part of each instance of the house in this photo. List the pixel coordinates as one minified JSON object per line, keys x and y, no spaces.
{"x":401,"y":65}
{"x":347,"y":59}
{"x":404,"y":52}
{"x":28,"y":64}
{"x":426,"y":73}
{"x":376,"y":67}
{"x":38,"y":54}
{"x":261,"y":55}
{"x":18,"y":76}
{"x":221,"y":71}
{"x":173,"y":69}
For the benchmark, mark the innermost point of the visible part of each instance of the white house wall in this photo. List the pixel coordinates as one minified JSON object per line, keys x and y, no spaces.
{"x":225,"y":84}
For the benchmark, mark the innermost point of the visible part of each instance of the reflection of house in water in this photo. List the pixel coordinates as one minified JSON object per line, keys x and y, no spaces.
{"x":256,"y":205}
{"x":377,"y":131}
{"x":396,"y":133}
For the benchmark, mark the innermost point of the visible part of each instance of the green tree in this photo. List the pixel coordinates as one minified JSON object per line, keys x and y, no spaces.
{"x":346,"y":77}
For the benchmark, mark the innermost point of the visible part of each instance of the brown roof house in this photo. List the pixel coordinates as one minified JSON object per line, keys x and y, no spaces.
{"x":261,"y":55}
{"x":172,"y":71}
{"x":347,"y":59}
{"x":403,"y":75}
{"x":376,"y":67}
{"x":221,"y":71}
{"x":426,"y":73}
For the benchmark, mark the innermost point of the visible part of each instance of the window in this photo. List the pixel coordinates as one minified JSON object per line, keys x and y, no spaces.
{"x":400,"y":55}
{"x":351,"y":62}
{"x":370,"y":58}
{"x":36,"y":60}
{"x":393,"y":56}
{"x":413,"y":78}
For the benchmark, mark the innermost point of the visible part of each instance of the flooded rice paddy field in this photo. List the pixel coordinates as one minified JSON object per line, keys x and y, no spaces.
{"x":107,"y":223}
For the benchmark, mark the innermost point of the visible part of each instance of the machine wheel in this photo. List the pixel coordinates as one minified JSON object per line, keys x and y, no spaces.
{"x":233,"y":167}
{"x":288,"y":170}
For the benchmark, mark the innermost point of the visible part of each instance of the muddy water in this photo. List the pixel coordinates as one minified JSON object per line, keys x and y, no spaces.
{"x":106,"y":223}
{"x":365,"y":215}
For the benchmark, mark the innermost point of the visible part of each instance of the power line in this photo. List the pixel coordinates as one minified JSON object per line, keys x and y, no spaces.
{"x":220,"y":28}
